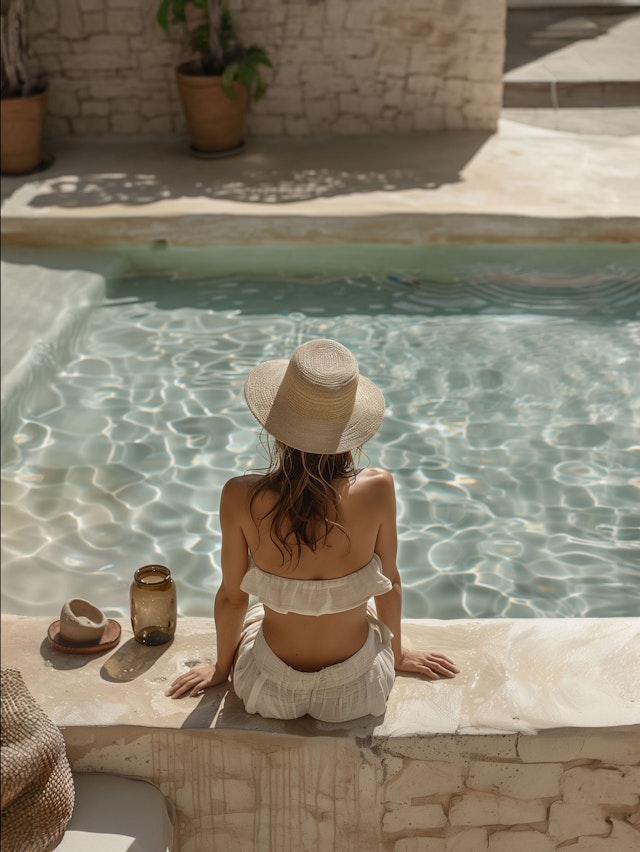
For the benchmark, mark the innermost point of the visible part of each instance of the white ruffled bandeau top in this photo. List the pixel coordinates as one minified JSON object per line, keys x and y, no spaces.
{"x":316,"y":597}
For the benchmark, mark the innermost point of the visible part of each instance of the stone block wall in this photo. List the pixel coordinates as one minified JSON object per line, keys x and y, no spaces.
{"x":572,"y":789}
{"x":500,"y":794}
{"x":356,"y":67}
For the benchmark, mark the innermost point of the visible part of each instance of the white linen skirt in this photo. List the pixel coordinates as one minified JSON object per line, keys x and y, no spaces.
{"x":357,"y":687}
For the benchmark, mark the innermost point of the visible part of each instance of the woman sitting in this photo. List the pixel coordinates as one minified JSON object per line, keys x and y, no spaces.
{"x":314,"y":539}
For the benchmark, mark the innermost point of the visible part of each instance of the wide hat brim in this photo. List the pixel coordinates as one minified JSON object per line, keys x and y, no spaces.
{"x":312,"y":423}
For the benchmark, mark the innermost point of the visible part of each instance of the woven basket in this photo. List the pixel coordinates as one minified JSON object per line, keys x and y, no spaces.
{"x":37,"y":785}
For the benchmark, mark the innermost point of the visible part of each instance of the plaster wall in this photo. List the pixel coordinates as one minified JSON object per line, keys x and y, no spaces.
{"x":366,"y":66}
{"x":444,"y":793}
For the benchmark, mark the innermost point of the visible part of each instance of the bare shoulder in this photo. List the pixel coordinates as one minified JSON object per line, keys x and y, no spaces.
{"x":375,"y":476}
{"x":375,"y":481}
{"x":238,"y":489}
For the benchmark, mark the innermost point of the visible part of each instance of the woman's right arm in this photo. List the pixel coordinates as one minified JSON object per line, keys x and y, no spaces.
{"x":231,"y":602}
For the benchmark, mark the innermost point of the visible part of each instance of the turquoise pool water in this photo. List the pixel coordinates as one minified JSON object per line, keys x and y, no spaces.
{"x":511,"y":429}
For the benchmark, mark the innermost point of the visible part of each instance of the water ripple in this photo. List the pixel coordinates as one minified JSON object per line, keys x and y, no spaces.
{"x":511,"y":429}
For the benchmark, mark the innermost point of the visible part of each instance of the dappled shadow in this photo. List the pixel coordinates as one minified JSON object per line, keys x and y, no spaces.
{"x":535,"y":33}
{"x":267,"y":172}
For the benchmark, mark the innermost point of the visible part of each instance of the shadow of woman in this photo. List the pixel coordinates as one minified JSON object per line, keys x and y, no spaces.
{"x":230,"y":713}
{"x":205,"y":713}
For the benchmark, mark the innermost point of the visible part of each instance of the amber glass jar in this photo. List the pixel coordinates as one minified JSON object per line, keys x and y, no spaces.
{"x":154,"y":608}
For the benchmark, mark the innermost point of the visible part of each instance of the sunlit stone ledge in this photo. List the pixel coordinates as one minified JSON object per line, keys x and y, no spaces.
{"x":539,"y":734}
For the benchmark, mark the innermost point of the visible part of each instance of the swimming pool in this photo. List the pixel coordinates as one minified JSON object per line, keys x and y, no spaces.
{"x":511,"y":429}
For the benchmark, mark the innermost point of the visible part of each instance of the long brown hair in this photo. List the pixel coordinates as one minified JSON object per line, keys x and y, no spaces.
{"x":306,"y":498}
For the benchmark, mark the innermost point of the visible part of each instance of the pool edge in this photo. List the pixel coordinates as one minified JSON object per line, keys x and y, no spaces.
{"x":235,"y":777}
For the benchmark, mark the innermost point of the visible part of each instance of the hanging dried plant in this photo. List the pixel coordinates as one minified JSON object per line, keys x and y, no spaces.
{"x":17,"y":78}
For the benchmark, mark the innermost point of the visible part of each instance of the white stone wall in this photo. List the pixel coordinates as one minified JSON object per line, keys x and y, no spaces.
{"x":498,"y":793}
{"x":339,"y":67}
{"x":502,"y":794}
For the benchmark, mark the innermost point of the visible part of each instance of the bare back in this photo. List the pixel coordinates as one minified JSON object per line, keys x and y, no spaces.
{"x":367,"y":524}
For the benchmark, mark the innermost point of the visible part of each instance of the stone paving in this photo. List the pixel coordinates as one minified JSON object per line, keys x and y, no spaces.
{"x":569,"y":62}
{"x":573,"y":44}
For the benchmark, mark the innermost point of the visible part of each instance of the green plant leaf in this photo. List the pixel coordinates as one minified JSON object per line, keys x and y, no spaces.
{"x":162,"y":16}
{"x":199,"y":39}
{"x":246,"y":75}
{"x":259,"y":89}
{"x":230,"y":74}
{"x":177,"y":10}
{"x":258,"y":56}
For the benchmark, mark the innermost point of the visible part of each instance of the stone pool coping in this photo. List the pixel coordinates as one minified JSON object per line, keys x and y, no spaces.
{"x":517,"y":676}
{"x":535,"y":745}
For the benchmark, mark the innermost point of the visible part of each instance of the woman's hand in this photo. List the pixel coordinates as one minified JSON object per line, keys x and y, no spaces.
{"x":195,"y":681}
{"x":433,"y":666}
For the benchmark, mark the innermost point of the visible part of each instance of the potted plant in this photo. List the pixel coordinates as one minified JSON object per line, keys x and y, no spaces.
{"x":215,"y":87}
{"x":23,"y":95}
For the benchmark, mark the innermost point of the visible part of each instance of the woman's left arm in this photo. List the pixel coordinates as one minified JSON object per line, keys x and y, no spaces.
{"x":389,"y":606}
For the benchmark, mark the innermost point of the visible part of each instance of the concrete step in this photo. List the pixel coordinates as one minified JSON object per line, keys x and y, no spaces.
{"x":591,"y":121}
{"x":576,"y":57}
{"x":575,"y":94}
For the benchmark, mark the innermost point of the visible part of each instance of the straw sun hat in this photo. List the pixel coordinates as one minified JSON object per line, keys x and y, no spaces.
{"x":317,"y":402}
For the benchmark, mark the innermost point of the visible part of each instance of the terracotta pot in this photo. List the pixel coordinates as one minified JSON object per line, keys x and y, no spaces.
{"x":22,"y":129}
{"x":215,"y":122}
